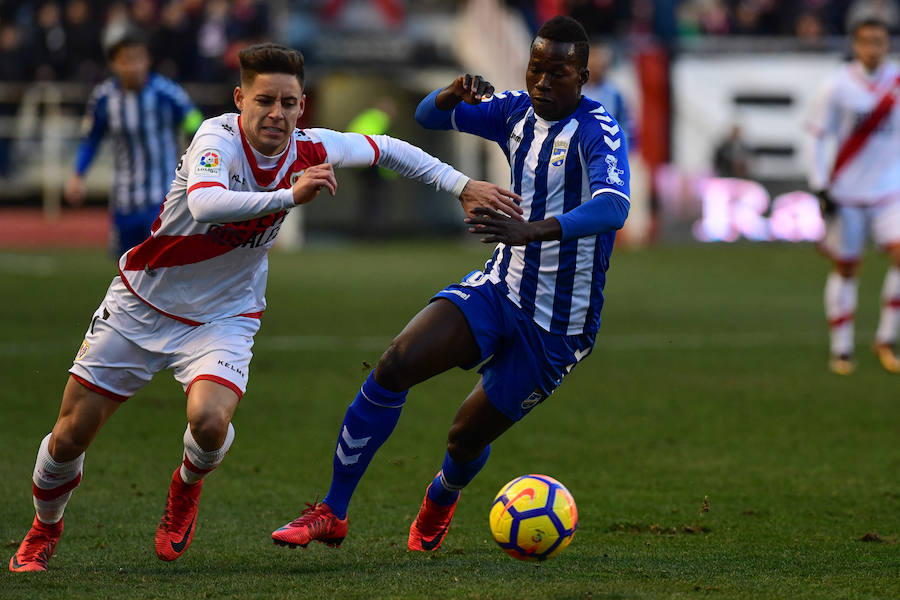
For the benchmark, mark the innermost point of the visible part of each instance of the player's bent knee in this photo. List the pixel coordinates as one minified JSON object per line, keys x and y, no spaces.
{"x":392,"y":371}
{"x":462,"y":445}
{"x":210,"y":430}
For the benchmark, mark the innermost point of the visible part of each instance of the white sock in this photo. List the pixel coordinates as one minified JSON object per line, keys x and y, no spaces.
{"x":197,"y":461}
{"x":840,"y":308}
{"x":54,"y":483}
{"x":889,"y":323}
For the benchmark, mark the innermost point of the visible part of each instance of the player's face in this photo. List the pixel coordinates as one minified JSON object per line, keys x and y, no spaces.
{"x":131,"y":65}
{"x":554,"y":79}
{"x":870,"y":45}
{"x":270,"y":106}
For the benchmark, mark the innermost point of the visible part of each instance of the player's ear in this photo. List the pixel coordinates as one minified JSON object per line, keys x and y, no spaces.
{"x":583,"y":74}
{"x":239,"y":98}
{"x":302,"y":105}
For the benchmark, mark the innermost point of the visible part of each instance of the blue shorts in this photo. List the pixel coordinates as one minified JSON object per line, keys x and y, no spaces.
{"x":131,"y":229}
{"x":524,"y":363}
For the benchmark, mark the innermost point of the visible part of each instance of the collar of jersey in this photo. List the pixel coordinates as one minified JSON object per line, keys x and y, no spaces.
{"x":263,"y":177}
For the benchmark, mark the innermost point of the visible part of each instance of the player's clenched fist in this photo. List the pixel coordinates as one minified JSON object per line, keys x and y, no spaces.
{"x":470,"y":89}
{"x":311,"y":182}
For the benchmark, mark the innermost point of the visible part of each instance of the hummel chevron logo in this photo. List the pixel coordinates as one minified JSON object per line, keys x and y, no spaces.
{"x":599,"y":109}
{"x":346,"y":460}
{"x":614,"y":144}
{"x":179,"y":546}
{"x":604,"y":118}
{"x":610,"y":130}
{"x":354,"y":443}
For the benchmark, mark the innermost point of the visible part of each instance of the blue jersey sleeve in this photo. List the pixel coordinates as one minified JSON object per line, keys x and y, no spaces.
{"x":488,"y":119}
{"x":95,"y":122}
{"x":605,"y":153}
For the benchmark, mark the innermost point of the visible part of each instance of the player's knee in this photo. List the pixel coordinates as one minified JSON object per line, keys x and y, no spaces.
{"x":846,"y":269}
{"x":66,"y":444}
{"x":392,"y":372}
{"x":462,"y":445}
{"x":209,"y":430}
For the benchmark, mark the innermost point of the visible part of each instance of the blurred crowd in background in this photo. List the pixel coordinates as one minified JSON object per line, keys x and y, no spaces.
{"x":197,"y":40}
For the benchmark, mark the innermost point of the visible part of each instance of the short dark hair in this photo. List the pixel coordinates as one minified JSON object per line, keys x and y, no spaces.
{"x":868,"y":21}
{"x":126,"y":39}
{"x":270,"y":58}
{"x":568,"y":31}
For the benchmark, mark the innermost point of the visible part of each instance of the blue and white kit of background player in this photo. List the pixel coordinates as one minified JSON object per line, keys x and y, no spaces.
{"x":535,"y":310}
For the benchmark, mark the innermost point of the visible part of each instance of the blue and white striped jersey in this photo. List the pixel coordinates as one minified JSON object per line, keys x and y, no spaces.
{"x":143,"y":126}
{"x":556,"y":167}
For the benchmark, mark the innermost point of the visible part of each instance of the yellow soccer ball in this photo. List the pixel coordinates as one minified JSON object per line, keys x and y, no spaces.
{"x":533,"y":517}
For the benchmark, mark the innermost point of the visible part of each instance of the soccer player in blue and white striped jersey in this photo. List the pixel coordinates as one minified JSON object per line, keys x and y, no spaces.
{"x":142,"y":112}
{"x":532,"y":313}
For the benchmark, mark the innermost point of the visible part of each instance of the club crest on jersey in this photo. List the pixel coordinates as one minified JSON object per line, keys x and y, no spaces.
{"x":296,"y":176}
{"x":613,"y":171}
{"x":82,"y":351}
{"x":560,"y":149}
{"x":209,"y":163}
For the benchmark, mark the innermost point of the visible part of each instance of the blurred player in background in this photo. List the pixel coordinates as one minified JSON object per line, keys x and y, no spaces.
{"x":860,"y":189}
{"x":604,"y":91}
{"x":190,"y":297}
{"x":532,"y":314}
{"x":143,"y":113}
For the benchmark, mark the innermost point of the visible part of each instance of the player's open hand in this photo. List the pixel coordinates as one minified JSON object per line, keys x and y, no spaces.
{"x":494,"y":227}
{"x":311,"y":182}
{"x":472,"y":88}
{"x":74,"y":191}
{"x":487,"y":195}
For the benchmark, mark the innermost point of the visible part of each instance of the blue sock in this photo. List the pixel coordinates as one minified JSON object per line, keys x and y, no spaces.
{"x":368,"y":423}
{"x":454,"y":476}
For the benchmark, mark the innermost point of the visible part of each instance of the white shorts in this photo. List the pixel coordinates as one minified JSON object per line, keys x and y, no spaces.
{"x":128,"y":342}
{"x":845,"y":231}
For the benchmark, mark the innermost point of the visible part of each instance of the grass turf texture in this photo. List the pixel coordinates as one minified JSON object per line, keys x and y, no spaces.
{"x":709,"y":381}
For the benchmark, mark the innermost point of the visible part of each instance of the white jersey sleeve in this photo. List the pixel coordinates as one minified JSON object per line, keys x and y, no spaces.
{"x":212,"y":160}
{"x":357,"y":150}
{"x":821,"y":128}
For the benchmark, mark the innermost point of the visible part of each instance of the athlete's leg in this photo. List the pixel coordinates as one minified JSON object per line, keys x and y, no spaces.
{"x":57,"y":470}
{"x":843,"y":244}
{"x":207,"y":439}
{"x":437,"y":339}
{"x":889,"y":321}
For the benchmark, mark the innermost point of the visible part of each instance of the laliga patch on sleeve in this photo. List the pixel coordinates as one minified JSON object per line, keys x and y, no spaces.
{"x":209,"y":163}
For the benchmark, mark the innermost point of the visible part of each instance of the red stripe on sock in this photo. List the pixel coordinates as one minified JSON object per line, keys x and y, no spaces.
{"x":837,"y":322}
{"x":194,"y":468}
{"x":54,"y":493}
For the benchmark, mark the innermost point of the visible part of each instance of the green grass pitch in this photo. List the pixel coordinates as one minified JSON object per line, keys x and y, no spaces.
{"x":708,"y":381}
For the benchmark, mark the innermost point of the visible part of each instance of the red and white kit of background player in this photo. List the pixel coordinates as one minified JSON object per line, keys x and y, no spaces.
{"x":859,"y":188}
{"x":190,"y":297}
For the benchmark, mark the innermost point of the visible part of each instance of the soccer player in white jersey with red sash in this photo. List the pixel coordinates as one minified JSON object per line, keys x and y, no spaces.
{"x":859,"y":188}
{"x":191,"y":296}
{"x":531,"y":315}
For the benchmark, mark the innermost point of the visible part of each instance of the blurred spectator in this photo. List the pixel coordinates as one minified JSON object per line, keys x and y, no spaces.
{"x":83,"y":50}
{"x":212,"y":40}
{"x":13,"y":67}
{"x":50,"y":43}
{"x":809,"y":27}
{"x":732,"y":155}
{"x":175,"y":41}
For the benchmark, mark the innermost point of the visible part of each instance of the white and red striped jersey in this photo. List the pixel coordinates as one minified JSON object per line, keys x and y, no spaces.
{"x":206,"y":257}
{"x":844,"y":101}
